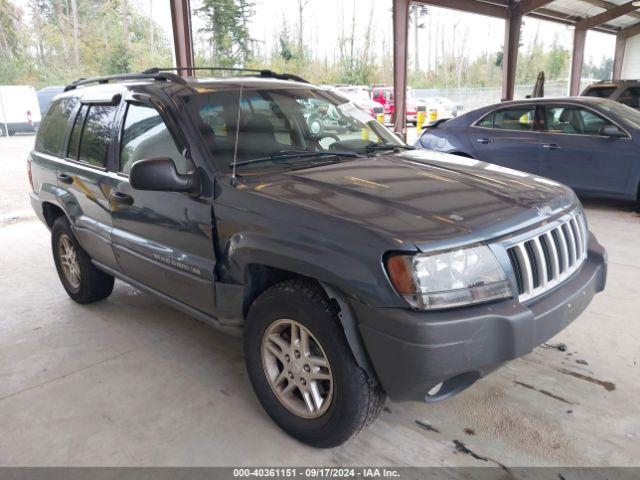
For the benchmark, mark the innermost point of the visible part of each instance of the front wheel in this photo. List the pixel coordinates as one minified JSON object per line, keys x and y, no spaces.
{"x":302,"y":368}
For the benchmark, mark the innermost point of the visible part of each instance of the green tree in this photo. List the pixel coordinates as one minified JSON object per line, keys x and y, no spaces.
{"x":226,"y":27}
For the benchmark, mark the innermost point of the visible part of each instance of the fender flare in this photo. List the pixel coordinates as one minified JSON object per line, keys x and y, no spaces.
{"x":351,"y":332}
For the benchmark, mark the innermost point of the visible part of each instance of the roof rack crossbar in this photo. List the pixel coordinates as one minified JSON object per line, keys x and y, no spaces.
{"x":162,"y":76}
{"x":261,"y":72}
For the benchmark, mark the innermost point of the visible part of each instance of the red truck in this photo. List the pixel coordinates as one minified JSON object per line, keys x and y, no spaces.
{"x":384,"y":96}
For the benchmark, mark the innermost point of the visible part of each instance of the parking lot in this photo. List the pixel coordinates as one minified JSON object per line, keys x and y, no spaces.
{"x":130,"y":381}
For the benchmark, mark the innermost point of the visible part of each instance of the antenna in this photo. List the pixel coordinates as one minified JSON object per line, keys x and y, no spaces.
{"x":235,"y":148}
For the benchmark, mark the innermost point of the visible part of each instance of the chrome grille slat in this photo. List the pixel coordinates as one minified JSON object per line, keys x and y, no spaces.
{"x":555,"y":254}
{"x":527,"y":271}
{"x":578,"y":236}
{"x":564,"y":250}
{"x":555,"y":260}
{"x":572,"y":243}
{"x":541,"y":262}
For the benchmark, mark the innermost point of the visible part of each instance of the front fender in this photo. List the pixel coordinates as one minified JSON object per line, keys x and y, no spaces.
{"x":359,"y":277}
{"x":254,"y":230}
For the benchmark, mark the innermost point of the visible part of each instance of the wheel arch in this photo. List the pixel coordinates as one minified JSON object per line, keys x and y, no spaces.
{"x":51,"y":212}
{"x":260,"y":277}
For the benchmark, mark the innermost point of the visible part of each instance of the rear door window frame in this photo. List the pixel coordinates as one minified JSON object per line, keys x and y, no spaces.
{"x":537,"y":120}
{"x":116,"y":103}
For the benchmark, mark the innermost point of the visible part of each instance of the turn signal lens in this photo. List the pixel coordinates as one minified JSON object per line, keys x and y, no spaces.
{"x":401,"y":274}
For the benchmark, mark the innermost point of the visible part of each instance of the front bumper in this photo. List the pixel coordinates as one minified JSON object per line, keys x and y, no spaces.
{"x":412,"y":351}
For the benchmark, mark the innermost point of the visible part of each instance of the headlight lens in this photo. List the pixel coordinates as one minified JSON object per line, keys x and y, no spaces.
{"x":449,"y":279}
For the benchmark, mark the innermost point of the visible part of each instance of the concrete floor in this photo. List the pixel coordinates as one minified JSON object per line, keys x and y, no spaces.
{"x":130,"y":381}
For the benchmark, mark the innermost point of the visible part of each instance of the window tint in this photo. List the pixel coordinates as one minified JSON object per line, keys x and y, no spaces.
{"x":146,"y":136}
{"x":54,"y":125}
{"x":96,"y":135}
{"x":74,"y":140}
{"x":574,"y":120}
{"x":631,"y":97}
{"x":487,"y":121}
{"x":515,"y":118}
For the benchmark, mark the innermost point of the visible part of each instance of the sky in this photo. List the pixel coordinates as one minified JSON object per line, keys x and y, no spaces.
{"x":323,"y":23}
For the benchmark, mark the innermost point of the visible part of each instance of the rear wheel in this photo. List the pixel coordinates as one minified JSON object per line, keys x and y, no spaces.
{"x":302,"y":368}
{"x":80,"y":278}
{"x":3,"y":130}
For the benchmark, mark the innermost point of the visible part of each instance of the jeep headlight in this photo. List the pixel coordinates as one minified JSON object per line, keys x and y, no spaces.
{"x":449,"y":279}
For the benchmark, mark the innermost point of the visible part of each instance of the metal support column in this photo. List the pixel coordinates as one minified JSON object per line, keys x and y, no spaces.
{"x":182,"y":33}
{"x":510,"y":52}
{"x":579,"y":38}
{"x":618,"y":59}
{"x":400,"y":40}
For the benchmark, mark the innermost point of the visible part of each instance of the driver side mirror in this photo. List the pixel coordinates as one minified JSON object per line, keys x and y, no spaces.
{"x":160,"y":174}
{"x":612,"y":131}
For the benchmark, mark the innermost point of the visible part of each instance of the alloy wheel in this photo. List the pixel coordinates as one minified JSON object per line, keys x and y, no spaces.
{"x":69,"y":261}
{"x":297,"y":368}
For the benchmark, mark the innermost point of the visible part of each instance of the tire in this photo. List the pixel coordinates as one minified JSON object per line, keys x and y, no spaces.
{"x":3,"y":131}
{"x":316,"y":127}
{"x":352,"y":400}
{"x":83,"y":281}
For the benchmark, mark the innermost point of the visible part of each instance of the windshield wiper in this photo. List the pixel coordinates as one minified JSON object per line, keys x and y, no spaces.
{"x":289,"y":154}
{"x":376,"y":147}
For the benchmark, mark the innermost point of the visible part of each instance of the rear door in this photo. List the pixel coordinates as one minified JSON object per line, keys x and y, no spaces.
{"x":84,"y":178}
{"x":164,"y":240}
{"x":573,"y":152}
{"x":508,"y":137}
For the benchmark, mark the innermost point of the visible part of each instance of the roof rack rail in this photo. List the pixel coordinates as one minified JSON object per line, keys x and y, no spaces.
{"x":163,"y":76}
{"x":260,"y":72}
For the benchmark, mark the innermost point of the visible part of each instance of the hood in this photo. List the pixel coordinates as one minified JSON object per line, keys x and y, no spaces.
{"x":430,"y":199}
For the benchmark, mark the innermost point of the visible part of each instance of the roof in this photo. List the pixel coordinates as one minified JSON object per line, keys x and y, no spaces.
{"x":569,"y":12}
{"x":166,"y":76}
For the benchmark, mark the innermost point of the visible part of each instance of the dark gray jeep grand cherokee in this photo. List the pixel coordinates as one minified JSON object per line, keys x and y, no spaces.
{"x":354,"y":266}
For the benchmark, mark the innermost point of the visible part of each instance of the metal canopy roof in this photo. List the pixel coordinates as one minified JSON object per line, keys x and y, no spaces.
{"x":569,"y":12}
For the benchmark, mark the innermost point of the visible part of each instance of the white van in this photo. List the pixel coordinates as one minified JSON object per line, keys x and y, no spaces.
{"x":19,"y":110}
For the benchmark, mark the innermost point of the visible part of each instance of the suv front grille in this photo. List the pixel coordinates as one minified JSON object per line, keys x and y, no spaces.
{"x":546,"y":260}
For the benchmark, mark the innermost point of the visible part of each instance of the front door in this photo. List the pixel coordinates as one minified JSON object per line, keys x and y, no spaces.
{"x":164,"y":240}
{"x":575,"y":153}
{"x":508,"y":137}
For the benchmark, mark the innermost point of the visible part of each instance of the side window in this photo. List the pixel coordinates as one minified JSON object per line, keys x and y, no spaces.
{"x":592,"y":123}
{"x":631,"y":97}
{"x":515,"y":118}
{"x":486,"y":122}
{"x":96,"y":135}
{"x":573,"y":120}
{"x":74,"y":139}
{"x":54,"y":126}
{"x":145,"y":135}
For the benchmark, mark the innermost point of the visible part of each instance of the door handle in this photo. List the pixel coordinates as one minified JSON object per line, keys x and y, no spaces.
{"x":551,"y":146}
{"x":121,"y":198}
{"x":483,"y":140}
{"x":64,"y":178}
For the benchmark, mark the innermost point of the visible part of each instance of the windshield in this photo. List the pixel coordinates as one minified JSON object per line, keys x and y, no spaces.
{"x":284,"y":125}
{"x":627,"y":114}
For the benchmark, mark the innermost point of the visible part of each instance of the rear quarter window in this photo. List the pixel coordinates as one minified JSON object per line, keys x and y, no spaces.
{"x":53,"y":127}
